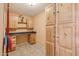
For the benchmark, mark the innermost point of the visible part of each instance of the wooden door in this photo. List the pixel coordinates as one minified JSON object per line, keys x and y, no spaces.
{"x":64,"y":12}
{"x":49,"y":49}
{"x":13,"y":22}
{"x":50,"y":40}
{"x":32,"y":39}
{"x":65,"y":40}
{"x":65,"y":29}
{"x":21,"y":39}
{"x":50,"y":29}
{"x":50,"y":33}
{"x":50,"y":14}
{"x":77,"y":29}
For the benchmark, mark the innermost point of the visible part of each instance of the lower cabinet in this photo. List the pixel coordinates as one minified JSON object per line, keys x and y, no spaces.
{"x":21,"y":39}
{"x":32,"y":39}
{"x":14,"y":42}
{"x":26,"y":38}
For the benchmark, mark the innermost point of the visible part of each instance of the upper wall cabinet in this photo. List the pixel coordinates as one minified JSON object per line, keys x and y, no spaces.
{"x":50,"y":14}
{"x":64,"y":12}
{"x":13,"y":22}
{"x":20,"y":22}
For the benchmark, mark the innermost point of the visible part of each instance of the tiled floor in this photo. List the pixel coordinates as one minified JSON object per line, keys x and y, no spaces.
{"x":26,"y":49}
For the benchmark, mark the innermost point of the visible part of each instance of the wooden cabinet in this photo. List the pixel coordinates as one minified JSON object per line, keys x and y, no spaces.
{"x":50,"y":14}
{"x":66,"y":39}
{"x":32,"y":39}
{"x":13,"y":22}
{"x":21,"y":39}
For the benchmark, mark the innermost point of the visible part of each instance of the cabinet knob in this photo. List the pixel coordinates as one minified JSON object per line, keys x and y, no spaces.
{"x":53,"y":12}
{"x":57,"y":11}
{"x":57,"y":36}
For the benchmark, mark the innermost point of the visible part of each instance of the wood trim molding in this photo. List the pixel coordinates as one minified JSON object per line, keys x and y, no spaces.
{"x":22,"y":23}
{"x":12,"y":29}
{"x":21,"y":28}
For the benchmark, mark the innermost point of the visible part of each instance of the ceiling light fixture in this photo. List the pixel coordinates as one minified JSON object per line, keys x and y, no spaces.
{"x":32,"y":4}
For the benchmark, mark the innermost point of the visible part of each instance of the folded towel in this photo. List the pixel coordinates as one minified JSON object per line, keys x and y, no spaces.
{"x":5,"y":40}
{"x":10,"y":46}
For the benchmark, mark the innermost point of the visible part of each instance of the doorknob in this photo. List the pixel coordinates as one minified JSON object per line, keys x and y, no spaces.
{"x":57,"y":36}
{"x":57,"y":11}
{"x":53,"y":12}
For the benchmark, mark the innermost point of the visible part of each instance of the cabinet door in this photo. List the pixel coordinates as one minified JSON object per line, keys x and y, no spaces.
{"x":32,"y":39}
{"x":50,"y":40}
{"x":77,"y":29}
{"x":65,"y":42}
{"x":49,"y":49}
{"x":64,"y":12}
{"x":21,"y":39}
{"x":50,"y":14}
{"x":13,"y":22}
{"x":50,"y":34}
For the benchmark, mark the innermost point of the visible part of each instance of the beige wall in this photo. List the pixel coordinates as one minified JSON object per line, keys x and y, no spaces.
{"x":39,"y":27}
{"x":1,"y":26}
{"x":16,"y":15}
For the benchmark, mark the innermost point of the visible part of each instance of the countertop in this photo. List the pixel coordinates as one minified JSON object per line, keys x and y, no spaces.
{"x":20,"y":33}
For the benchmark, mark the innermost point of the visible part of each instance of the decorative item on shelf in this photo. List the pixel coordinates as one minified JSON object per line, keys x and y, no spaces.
{"x":13,"y":29}
{"x":21,"y":20}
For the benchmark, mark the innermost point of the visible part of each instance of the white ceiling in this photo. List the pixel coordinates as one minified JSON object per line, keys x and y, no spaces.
{"x":24,"y":8}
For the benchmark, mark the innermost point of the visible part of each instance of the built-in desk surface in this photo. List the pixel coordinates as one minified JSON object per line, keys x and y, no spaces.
{"x":21,"y":37}
{"x":20,"y":33}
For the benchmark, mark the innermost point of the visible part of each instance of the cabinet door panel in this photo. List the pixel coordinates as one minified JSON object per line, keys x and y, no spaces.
{"x":77,"y":29}
{"x":66,"y":38}
{"x":21,"y":39}
{"x":49,"y":49}
{"x":65,"y":12}
{"x":50,"y":33}
{"x":13,"y":21}
{"x":64,"y":52}
{"x":50,"y":14}
{"x":32,"y":39}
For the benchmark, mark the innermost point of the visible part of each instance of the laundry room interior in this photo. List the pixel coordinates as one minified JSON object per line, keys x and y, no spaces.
{"x":39,"y":29}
